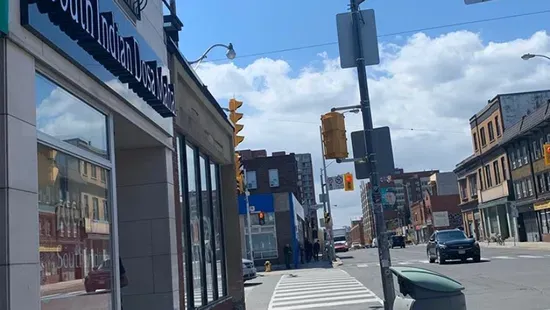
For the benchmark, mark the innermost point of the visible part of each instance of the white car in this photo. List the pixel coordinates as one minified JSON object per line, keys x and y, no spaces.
{"x":249,"y":270}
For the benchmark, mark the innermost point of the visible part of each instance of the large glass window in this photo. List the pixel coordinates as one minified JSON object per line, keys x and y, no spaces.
{"x":74,"y":237}
{"x":207,"y":228}
{"x":63,"y":116}
{"x":195,"y":231}
{"x":217,"y":218}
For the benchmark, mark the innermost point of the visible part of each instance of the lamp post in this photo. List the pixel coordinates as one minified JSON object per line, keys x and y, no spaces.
{"x":530,"y":56}
{"x":230,"y":54}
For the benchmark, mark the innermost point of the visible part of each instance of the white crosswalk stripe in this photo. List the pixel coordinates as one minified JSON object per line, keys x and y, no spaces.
{"x":417,"y":262}
{"x":324,"y":289}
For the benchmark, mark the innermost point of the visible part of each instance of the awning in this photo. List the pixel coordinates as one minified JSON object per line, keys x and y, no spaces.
{"x":493,"y":203}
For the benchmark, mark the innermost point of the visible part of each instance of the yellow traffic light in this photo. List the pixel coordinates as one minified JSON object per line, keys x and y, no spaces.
{"x":547,"y":154}
{"x":235,"y":117}
{"x":334,"y":135}
{"x":348,"y":182}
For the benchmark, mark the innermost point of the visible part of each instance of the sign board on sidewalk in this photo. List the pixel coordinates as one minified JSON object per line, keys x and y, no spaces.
{"x":346,"y":39}
{"x":336,"y":182}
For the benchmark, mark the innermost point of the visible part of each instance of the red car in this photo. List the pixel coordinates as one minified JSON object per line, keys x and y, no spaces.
{"x":99,"y":278}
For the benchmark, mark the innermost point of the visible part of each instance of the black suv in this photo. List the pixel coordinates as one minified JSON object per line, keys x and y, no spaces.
{"x":452,"y":244}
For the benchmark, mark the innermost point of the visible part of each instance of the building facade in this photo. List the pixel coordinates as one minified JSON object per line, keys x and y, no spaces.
{"x":357,"y":232}
{"x":306,"y":181}
{"x":275,"y":189}
{"x":368,"y":216}
{"x":435,"y":212}
{"x":89,"y":165}
{"x":524,"y":143}
{"x":492,"y":177}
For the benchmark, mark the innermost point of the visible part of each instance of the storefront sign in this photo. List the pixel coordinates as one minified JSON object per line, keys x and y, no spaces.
{"x":541,"y":206}
{"x":98,"y":34}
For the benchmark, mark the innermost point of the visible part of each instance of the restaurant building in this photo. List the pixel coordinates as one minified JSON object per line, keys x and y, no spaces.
{"x":92,"y":169}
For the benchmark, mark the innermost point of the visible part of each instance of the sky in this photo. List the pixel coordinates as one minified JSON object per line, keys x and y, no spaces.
{"x":441,"y":61}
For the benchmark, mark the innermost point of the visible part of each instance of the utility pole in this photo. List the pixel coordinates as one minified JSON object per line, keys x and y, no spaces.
{"x":249,"y":224}
{"x":330,"y":232}
{"x":324,"y":208}
{"x":382,"y":238}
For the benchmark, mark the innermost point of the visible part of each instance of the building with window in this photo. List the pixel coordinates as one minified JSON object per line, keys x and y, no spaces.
{"x":274,"y":189}
{"x":490,"y":160}
{"x":524,"y":143}
{"x":306,"y":181}
{"x":94,"y":176}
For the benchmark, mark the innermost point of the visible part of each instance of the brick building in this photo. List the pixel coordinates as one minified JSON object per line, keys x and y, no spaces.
{"x":357,"y":232}
{"x":435,"y":212}
{"x":274,"y":189}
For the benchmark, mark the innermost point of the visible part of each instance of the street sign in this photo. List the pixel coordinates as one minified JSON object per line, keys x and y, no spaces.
{"x":381,"y":142}
{"x":336,"y":182}
{"x":322,"y":198}
{"x":346,"y":39}
{"x":252,"y":208}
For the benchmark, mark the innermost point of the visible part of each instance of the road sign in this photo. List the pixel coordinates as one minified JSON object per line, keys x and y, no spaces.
{"x":252,"y":208}
{"x":346,"y":40}
{"x":381,"y":140}
{"x":336,"y":182}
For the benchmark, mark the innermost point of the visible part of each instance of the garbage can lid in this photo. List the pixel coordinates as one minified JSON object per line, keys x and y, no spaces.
{"x":428,"y":279}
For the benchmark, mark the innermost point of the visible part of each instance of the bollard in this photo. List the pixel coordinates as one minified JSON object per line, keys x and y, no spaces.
{"x":267,"y":266}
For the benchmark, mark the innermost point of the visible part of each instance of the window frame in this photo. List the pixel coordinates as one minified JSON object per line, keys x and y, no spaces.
{"x":108,"y":164}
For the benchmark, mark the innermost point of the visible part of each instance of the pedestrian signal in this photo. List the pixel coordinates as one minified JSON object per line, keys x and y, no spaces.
{"x":547,"y":154}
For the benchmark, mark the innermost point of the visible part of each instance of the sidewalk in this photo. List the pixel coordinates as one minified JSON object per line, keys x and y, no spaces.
{"x":281,"y":270}
{"x":62,"y":287}
{"x":519,"y":245}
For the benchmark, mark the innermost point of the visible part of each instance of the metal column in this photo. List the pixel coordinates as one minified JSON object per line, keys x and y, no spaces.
{"x":328,"y":209}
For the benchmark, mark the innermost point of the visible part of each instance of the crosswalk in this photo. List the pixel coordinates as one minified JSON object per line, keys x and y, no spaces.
{"x":320,"y":290}
{"x":425,"y":261}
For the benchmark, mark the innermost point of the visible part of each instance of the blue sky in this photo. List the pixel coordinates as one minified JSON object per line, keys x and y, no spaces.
{"x":263,"y":26}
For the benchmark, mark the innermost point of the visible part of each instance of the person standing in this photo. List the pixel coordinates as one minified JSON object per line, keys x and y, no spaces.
{"x":316,"y":249}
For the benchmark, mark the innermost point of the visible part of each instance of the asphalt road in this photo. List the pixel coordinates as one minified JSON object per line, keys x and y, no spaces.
{"x":506,"y":279}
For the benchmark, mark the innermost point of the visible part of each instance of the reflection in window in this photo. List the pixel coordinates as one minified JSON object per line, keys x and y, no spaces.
{"x":65,"y":117}
{"x":71,"y":244}
{"x":196,"y":241}
{"x":206,"y":221}
{"x":220,"y":255}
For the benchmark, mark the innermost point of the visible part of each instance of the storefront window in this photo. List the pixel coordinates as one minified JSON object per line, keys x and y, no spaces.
{"x":207,"y":229}
{"x":74,"y":238}
{"x":220,"y":255}
{"x":195,"y":232}
{"x":63,"y":116}
{"x":185,"y":231}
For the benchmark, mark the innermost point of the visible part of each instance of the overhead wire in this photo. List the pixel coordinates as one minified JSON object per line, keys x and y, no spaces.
{"x":477,"y":21}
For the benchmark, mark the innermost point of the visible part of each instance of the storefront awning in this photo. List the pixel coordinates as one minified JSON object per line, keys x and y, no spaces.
{"x":493,"y":203}
{"x":541,"y":205}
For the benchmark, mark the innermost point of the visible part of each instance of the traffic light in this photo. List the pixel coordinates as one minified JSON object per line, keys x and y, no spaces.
{"x":334,"y":135}
{"x":547,"y":154}
{"x":327,"y":219}
{"x":348,"y":182}
{"x":234,"y":105}
{"x":239,"y":173}
{"x":261,"y":218}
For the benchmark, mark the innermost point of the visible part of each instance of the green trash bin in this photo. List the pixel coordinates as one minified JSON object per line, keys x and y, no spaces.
{"x":428,"y":290}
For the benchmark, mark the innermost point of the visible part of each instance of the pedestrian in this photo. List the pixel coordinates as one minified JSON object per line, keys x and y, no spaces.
{"x":288,"y":254}
{"x":123,"y":278}
{"x":308,"y":250}
{"x":316,"y":249}
{"x":301,"y":254}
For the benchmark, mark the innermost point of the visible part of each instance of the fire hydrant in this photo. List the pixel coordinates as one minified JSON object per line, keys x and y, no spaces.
{"x":267,"y":266}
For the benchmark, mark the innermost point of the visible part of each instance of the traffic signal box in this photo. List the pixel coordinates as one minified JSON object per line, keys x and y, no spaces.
{"x":261,"y":218}
{"x":348,"y":182}
{"x":327,"y":219}
{"x":234,"y":117}
{"x":547,"y":154}
{"x":334,"y":135}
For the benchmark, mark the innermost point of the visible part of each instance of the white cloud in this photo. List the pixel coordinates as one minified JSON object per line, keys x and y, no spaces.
{"x":433,"y":83}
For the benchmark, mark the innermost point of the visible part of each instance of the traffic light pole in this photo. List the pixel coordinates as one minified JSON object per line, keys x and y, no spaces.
{"x":328,"y":225}
{"x":382,"y":240}
{"x":249,"y":224}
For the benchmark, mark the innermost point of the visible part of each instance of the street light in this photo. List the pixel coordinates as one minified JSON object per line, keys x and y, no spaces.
{"x":529,"y":56}
{"x":230,"y":54}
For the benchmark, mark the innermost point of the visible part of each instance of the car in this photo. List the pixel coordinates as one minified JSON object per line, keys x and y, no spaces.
{"x":99,"y":278}
{"x":452,"y":244}
{"x":249,"y":270}
{"x":397,"y":241}
{"x":356,"y":245}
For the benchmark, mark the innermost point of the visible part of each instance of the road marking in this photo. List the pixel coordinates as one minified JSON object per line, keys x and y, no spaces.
{"x":530,"y":256}
{"x":502,"y":257}
{"x":320,"y":289}
{"x":362,"y":265}
{"x":405,"y":263}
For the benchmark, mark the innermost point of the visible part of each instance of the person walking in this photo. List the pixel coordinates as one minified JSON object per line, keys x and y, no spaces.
{"x":316,"y":249}
{"x":288,"y":254}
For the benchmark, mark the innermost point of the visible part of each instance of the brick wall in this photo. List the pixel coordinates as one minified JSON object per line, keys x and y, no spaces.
{"x":288,"y":174}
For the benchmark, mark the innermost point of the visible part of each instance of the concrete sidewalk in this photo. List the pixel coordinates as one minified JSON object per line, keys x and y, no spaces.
{"x":509,"y":244}
{"x":281,"y":270}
